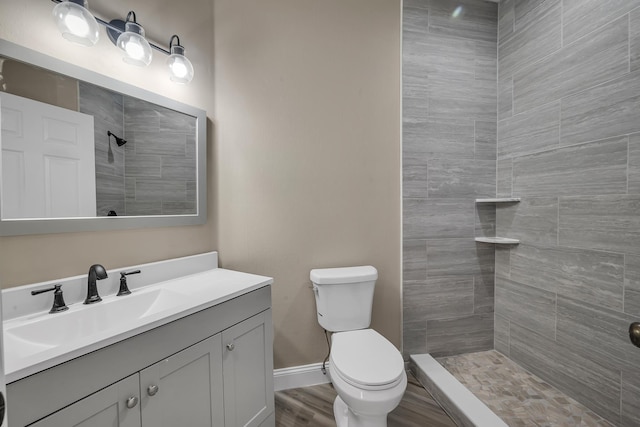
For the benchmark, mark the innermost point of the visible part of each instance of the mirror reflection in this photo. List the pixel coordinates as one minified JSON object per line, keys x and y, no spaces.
{"x":74,"y":149}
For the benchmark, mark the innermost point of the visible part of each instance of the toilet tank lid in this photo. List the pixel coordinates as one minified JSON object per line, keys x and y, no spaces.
{"x":333,"y":276}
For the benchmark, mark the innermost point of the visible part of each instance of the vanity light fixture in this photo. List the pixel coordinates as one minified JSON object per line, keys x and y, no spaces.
{"x":137,"y":49}
{"x":180,"y":68}
{"x":76,"y":23}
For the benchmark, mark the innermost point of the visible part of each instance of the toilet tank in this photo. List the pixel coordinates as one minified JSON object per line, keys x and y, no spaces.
{"x":344,"y":297}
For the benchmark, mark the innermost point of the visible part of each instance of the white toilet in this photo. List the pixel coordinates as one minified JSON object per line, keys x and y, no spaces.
{"x":366,"y":370}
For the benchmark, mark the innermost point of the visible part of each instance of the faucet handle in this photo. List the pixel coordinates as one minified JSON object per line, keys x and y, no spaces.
{"x":124,"y":290}
{"x":58,"y":300}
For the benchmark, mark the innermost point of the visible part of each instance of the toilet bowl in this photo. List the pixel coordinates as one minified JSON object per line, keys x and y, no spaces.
{"x":367,"y":372}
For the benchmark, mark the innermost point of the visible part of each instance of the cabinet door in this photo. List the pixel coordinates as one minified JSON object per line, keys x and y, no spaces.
{"x":106,"y":408}
{"x":248,"y":371}
{"x":185,"y":389}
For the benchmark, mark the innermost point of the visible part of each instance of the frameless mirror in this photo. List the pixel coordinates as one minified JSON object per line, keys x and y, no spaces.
{"x":81,"y":151}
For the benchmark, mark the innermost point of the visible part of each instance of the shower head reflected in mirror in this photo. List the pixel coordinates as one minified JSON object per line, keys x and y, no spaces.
{"x":119,"y":141}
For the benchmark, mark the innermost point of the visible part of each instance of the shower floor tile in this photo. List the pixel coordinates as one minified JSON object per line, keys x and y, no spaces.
{"x":515,"y":395}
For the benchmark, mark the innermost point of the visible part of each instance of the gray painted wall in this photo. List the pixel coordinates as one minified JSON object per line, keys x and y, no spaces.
{"x":569,"y":145}
{"x":449,"y":160}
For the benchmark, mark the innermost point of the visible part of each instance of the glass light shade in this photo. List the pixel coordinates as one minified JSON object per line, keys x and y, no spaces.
{"x":76,"y":23}
{"x":137,"y":49}
{"x":180,"y":68}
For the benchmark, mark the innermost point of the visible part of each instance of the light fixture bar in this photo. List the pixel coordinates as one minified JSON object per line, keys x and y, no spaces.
{"x":119,"y":30}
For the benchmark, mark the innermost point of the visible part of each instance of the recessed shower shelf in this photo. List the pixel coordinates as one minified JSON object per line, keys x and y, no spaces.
{"x":499,"y":200}
{"x":498,"y":240}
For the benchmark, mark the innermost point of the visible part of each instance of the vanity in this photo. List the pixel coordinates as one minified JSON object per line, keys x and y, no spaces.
{"x":192,"y":350}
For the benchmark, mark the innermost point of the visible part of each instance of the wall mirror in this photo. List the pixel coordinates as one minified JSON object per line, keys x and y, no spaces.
{"x":82,"y":152}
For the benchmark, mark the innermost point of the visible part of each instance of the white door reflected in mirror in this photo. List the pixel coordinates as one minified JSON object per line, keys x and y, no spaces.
{"x":47,"y":160}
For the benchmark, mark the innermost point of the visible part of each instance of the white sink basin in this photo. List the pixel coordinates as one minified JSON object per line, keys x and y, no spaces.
{"x":41,"y":340}
{"x":44,"y":332}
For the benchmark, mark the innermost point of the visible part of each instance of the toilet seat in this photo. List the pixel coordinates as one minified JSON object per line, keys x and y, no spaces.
{"x":366,"y":360}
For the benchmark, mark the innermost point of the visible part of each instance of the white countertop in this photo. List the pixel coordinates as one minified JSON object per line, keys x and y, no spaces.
{"x":189,"y":294}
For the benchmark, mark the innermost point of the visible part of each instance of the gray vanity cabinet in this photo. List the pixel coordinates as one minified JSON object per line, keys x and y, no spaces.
{"x":248,"y":375}
{"x":108,"y":407}
{"x":185,"y":389}
{"x":174,"y":375}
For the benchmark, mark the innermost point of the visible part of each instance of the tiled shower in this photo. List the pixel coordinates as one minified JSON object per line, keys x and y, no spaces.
{"x":153,"y":173}
{"x":537,"y":99}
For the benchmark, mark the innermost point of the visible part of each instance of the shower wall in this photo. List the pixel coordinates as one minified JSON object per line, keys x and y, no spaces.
{"x":569,"y":146}
{"x":449,"y":160}
{"x":153,"y":173}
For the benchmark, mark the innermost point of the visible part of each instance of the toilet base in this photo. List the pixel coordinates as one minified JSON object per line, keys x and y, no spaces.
{"x":347,"y":418}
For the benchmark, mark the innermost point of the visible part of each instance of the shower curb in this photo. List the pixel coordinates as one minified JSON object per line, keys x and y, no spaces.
{"x":461,"y":405}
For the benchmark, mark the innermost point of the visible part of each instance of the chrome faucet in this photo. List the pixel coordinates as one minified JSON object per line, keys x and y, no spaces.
{"x":96,"y":272}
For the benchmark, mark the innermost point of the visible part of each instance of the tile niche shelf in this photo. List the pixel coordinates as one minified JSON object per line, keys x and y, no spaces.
{"x":498,"y":240}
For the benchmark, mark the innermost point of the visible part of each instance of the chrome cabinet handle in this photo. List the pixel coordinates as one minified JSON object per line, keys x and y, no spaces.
{"x":132,"y":402}
{"x":152,"y":390}
{"x":230,"y":346}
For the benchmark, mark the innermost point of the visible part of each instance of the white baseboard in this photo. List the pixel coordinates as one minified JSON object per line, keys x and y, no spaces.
{"x":299,"y":376}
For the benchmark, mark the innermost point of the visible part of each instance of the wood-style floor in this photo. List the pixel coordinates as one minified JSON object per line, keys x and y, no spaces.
{"x":313,"y":407}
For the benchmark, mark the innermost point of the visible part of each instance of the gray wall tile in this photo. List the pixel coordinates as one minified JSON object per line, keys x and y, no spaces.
{"x":449,"y":155}
{"x":634,"y":39}
{"x":578,"y":201}
{"x":583,"y":16}
{"x":603,"y":111}
{"x":414,"y":259}
{"x":634,"y":164}
{"x":178,"y":168}
{"x":414,"y":181}
{"x":458,"y":179}
{"x":532,"y":221}
{"x":454,"y":257}
{"x":478,"y":21}
{"x":594,"y":168}
{"x":160,"y":190}
{"x":632,"y":285}
{"x":503,"y":262}
{"x":474,"y":102}
{"x":414,"y":337}
{"x":504,"y":187}
{"x":524,"y":7}
{"x":505,"y":97}
{"x":597,"y":334}
{"x":506,"y":20}
{"x":527,"y":306}
{"x":143,"y":208}
{"x":535,"y":130}
{"x":143,"y":166}
{"x":591,"y":276}
{"x":460,"y":335}
{"x":486,"y":140}
{"x":483,"y":293}
{"x":179,"y":208}
{"x":589,"y":383}
{"x":485,"y":220}
{"x":434,"y":218}
{"x":600,"y":222}
{"x":538,"y":34}
{"x":501,"y":337}
{"x":109,"y":187}
{"x":600,"y":57}
{"x":451,"y":138}
{"x":438,"y":298}
{"x":630,"y":407}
